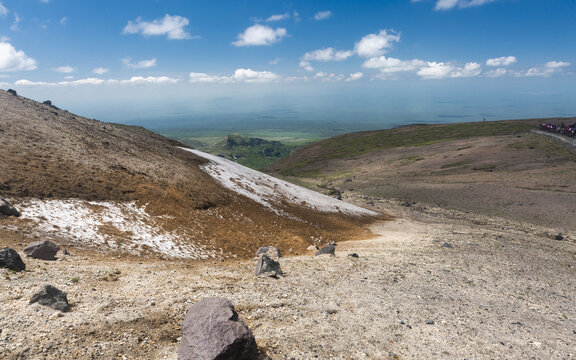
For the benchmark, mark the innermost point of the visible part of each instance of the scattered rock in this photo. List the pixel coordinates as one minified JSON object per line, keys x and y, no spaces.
{"x":47,"y":102}
{"x":406,"y":204}
{"x":448,"y":245}
{"x":354,"y":255}
{"x":10,"y":259}
{"x":430,"y":322}
{"x":327,"y":250}
{"x":271,"y":251}
{"x":212,"y":330}
{"x":312,"y":248}
{"x":7,"y":209}
{"x":50,"y":296}
{"x":65,"y":252}
{"x":268,"y":267}
{"x":13,"y":92}
{"x":559,"y":237}
{"x":44,"y":250}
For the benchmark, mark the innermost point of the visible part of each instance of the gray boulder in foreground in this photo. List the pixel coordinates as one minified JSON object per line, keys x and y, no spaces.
{"x":268,"y":267}
{"x":10,"y":259}
{"x":7,"y":209}
{"x":212,"y":330}
{"x":50,"y":296}
{"x":44,"y":250}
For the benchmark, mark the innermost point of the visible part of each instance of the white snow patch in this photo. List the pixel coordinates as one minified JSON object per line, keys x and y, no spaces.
{"x":117,"y":225}
{"x":270,"y":191}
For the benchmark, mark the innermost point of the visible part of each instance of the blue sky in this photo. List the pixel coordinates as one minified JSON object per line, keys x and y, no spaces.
{"x":162,"y":62}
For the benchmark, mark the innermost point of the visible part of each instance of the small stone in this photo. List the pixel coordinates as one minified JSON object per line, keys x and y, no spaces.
{"x":10,"y":259}
{"x":55,"y":316}
{"x":559,"y":237}
{"x":52,"y":297}
{"x":44,"y":250}
{"x":354,"y":255}
{"x":406,"y":204}
{"x":268,"y":267}
{"x":448,"y":245}
{"x":430,"y":322}
{"x":327,"y":250}
{"x":7,"y":209}
{"x":312,"y":248}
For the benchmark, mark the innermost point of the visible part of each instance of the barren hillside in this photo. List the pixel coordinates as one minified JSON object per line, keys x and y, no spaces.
{"x":88,"y":183}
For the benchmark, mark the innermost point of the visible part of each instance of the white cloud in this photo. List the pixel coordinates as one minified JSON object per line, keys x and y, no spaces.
{"x":325,"y":77}
{"x":355,"y":76}
{"x":251,"y":76}
{"x":501,"y":61}
{"x":497,"y":73}
{"x":322,"y":15}
{"x":450,"y":4}
{"x":306,"y":65}
{"x":100,"y":70}
{"x":239,"y":76}
{"x":63,"y":21}
{"x":14,"y":26}
{"x":3,"y":10}
{"x":555,"y":65}
{"x":258,"y":35}
{"x":14,"y":60}
{"x":434,"y":70}
{"x":546,"y":70}
{"x":205,"y":78}
{"x":64,"y":69}
{"x":136,"y":80}
{"x":471,"y":69}
{"x":296,"y":16}
{"x":275,"y":61}
{"x":328,"y":54}
{"x":388,"y":65}
{"x":143,"y":64}
{"x":278,"y":17}
{"x":171,"y":26}
{"x":45,"y":1}
{"x":441,"y":70}
{"x":373,"y":45}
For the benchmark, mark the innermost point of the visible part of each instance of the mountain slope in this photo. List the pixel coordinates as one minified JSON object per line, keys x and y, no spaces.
{"x":492,"y":168}
{"x":123,"y":188}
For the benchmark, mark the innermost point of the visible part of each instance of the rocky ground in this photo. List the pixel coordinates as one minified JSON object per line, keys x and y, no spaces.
{"x":432,"y":284}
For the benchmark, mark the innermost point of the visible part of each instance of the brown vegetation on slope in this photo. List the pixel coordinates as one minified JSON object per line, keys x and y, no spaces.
{"x":49,"y":153}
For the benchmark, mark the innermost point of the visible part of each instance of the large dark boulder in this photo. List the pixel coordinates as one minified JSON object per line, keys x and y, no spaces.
{"x":268,"y":267}
{"x":52,"y":297}
{"x":10,"y":259}
{"x":212,"y":330}
{"x":44,"y":250}
{"x":7,"y":209}
{"x":12,"y":92}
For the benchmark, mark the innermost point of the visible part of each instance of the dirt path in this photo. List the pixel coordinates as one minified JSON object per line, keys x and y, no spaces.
{"x":503,"y":290}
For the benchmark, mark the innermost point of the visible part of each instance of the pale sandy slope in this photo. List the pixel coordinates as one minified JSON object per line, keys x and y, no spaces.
{"x":505,"y":290}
